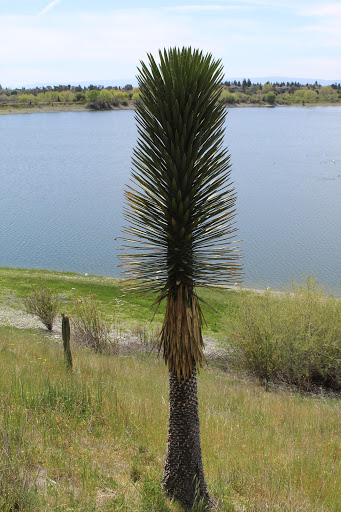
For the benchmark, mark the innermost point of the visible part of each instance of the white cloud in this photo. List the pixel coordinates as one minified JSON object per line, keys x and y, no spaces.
{"x":49,"y":7}
{"x":329,"y":35}
{"x":323,"y":68}
{"x":329,"y":10}
{"x":280,"y":5}
{"x":105,"y":45}
{"x":326,"y":24}
{"x":205,"y":8}
{"x":87,"y":45}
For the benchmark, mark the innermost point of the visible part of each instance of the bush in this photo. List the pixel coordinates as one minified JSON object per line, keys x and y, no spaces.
{"x":228,"y":97}
{"x":294,"y":336}
{"x":270,"y":97}
{"x":42,"y":304}
{"x":89,"y":327}
{"x":79,"y":97}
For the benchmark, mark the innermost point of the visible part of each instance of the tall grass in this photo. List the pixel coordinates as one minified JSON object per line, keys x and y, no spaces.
{"x":89,"y":327}
{"x":96,"y":439}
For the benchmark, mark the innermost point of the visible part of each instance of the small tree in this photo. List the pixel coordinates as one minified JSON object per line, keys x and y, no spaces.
{"x":42,"y":304}
{"x":92,"y":98}
{"x":270,"y":97}
{"x":180,"y":214}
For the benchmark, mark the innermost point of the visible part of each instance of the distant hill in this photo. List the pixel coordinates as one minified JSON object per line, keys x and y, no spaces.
{"x":121,"y":82}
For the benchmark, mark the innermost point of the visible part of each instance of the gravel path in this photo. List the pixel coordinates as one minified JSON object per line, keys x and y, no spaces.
{"x":17,"y":318}
{"x":128,"y":341}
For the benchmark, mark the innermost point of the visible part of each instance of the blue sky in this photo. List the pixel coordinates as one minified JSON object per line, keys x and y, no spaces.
{"x":67,"y":41}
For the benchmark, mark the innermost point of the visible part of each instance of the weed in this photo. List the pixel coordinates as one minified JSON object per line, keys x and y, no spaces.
{"x":89,"y":327}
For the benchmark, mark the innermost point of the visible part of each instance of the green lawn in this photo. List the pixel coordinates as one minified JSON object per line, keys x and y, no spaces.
{"x":128,"y":310}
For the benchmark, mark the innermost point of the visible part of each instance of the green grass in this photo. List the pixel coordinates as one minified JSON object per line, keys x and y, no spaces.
{"x":129,"y":310}
{"x":96,"y":439}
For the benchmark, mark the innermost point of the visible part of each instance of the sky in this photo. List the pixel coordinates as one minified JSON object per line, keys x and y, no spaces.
{"x":71,"y":41}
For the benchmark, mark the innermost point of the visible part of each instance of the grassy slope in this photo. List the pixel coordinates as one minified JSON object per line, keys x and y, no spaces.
{"x":95,"y":440}
{"x":17,"y":283}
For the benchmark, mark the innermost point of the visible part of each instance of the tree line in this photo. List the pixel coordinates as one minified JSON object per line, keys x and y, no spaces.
{"x":98,"y":97}
{"x":93,"y":96}
{"x":279,"y":93}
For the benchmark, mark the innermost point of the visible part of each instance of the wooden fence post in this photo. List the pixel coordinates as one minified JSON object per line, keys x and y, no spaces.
{"x":66,"y":341}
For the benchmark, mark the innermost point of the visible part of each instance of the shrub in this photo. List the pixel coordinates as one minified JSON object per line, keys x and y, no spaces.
{"x":228,"y":97}
{"x":294,"y":336}
{"x":79,"y":97}
{"x":270,"y":97}
{"x":89,"y":327}
{"x":42,"y":304}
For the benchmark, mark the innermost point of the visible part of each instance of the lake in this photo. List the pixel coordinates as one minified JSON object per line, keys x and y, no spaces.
{"x":62,"y":177}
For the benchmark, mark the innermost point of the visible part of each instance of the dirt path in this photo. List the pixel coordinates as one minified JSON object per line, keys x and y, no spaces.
{"x":14,"y":317}
{"x":126,"y":339}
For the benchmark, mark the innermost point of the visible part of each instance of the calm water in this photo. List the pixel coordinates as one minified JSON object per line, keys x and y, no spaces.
{"x":62,"y":177}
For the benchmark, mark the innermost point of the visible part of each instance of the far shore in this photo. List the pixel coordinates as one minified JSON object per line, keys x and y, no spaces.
{"x":47,"y":109}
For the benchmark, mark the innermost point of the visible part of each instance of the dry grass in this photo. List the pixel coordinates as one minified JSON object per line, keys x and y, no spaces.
{"x":96,"y":439}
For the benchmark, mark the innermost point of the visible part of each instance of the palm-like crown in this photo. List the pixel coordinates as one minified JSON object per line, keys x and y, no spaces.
{"x":181,"y":207}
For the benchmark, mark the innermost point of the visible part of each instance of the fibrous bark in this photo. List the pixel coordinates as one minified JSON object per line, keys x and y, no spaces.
{"x":181,"y":339}
{"x":183,"y":478}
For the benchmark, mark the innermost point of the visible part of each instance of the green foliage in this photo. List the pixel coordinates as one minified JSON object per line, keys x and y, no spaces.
{"x":79,"y":97}
{"x":135,"y":96}
{"x":310,"y":97}
{"x":92,"y":97}
{"x":232,"y":93}
{"x":89,"y":326}
{"x":132,"y":312}
{"x":42,"y":304}
{"x":228,"y":97}
{"x":181,"y":208}
{"x":28,"y":99}
{"x":183,"y":200}
{"x":120,"y":96}
{"x":294,"y":337}
{"x":105,"y":99}
{"x":285,"y":93}
{"x":270,"y":97}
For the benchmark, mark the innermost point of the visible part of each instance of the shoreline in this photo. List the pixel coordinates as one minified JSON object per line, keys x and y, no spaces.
{"x":48,"y":109}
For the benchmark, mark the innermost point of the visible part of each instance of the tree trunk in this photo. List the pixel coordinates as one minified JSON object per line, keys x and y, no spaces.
{"x":183,"y":478}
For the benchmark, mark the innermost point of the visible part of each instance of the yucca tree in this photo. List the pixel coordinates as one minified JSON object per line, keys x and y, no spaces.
{"x":180,"y":207}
